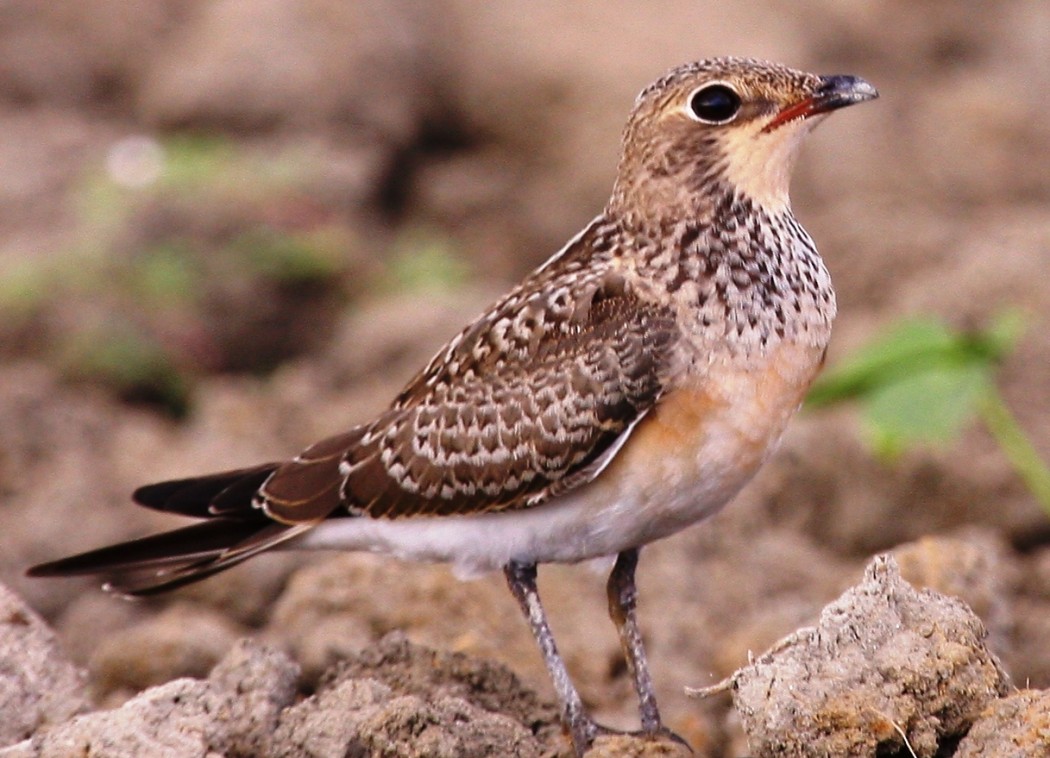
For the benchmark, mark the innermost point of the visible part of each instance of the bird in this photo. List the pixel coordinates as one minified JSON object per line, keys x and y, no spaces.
{"x":627,"y":388}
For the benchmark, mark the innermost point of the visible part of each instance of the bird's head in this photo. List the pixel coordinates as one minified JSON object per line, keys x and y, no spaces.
{"x":722,"y":125}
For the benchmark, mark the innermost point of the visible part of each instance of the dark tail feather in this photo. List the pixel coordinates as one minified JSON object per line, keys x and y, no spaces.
{"x":177,"y":546}
{"x":204,"y":496}
{"x":144,"y":584}
{"x":234,"y":531}
{"x":165,"y":561}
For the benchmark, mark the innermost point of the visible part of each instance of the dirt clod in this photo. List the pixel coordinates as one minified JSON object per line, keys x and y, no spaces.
{"x":888,"y":667}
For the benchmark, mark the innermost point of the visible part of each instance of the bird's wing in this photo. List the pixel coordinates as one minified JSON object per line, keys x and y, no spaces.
{"x":530,"y":401}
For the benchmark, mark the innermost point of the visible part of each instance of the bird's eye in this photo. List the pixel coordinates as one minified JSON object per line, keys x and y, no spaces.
{"x":714,"y":104}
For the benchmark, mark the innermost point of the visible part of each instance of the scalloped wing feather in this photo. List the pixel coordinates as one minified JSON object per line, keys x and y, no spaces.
{"x":530,"y":401}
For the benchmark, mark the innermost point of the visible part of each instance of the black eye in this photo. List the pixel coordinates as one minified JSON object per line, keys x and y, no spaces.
{"x":714,"y":104}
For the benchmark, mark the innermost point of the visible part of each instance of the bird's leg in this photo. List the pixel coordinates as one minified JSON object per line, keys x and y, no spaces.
{"x":522,"y":580}
{"x":623,"y":598}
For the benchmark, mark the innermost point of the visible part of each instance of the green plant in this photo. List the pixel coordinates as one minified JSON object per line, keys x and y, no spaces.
{"x":423,"y":260}
{"x":291,"y":257}
{"x":120,"y":357}
{"x":922,"y":382}
{"x":163,"y":274}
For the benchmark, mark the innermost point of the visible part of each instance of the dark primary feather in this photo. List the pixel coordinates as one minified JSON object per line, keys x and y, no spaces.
{"x":165,"y":561}
{"x":204,"y":496}
{"x":144,"y":581}
{"x":193,"y":542}
{"x":172,"y":559}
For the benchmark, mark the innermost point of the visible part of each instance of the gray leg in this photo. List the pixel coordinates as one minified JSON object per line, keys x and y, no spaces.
{"x":522,"y":580}
{"x":623,"y":598}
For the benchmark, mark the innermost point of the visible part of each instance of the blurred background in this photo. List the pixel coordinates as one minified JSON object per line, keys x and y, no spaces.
{"x":231,"y":227}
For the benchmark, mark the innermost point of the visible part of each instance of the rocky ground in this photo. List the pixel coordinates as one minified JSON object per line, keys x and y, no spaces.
{"x":314,"y":196}
{"x":888,"y":670}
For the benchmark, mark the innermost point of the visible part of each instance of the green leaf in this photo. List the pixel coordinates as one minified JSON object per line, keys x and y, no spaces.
{"x":930,"y":406}
{"x":909,"y":347}
{"x":1017,"y":447}
{"x":922,"y":382}
{"x":1002,"y":335}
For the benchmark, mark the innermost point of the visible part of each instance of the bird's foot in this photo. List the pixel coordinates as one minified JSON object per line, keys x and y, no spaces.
{"x":662,"y":734}
{"x":587,"y":732}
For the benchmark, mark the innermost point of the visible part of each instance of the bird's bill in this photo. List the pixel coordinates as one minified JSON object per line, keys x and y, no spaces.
{"x":835,"y":92}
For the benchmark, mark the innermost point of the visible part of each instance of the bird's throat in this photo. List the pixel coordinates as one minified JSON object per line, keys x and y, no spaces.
{"x":759,"y":165}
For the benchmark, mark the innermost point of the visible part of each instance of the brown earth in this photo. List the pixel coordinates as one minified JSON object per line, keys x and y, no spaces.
{"x":476,"y":138}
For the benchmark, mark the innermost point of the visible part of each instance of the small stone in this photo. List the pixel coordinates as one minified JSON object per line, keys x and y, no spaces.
{"x":38,"y":684}
{"x":253,"y":684}
{"x":1017,"y":726}
{"x":184,"y":640}
{"x":174,"y":719}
